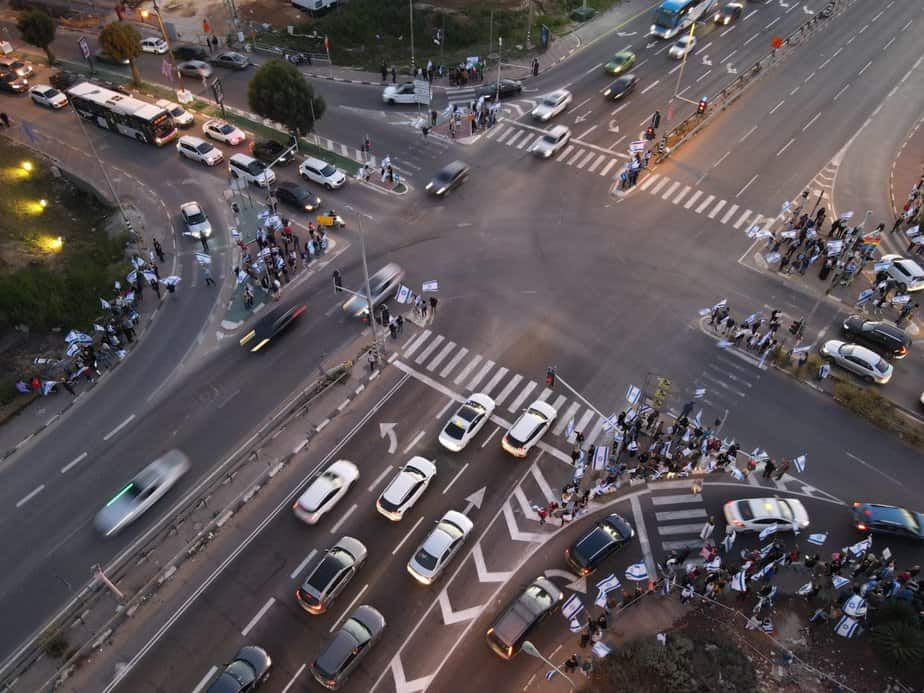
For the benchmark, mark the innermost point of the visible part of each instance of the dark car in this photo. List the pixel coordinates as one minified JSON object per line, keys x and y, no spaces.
{"x":190,"y":53}
{"x":245,"y":672}
{"x":728,"y":13}
{"x":449,"y":177}
{"x":351,"y":643}
{"x":331,"y":575}
{"x":11,"y":82}
{"x":297,"y":195}
{"x":508,"y":87}
{"x":271,"y":325}
{"x":506,"y":635}
{"x":62,"y":80}
{"x":607,"y":536}
{"x":230,"y":59}
{"x":268,"y":150}
{"x":104,"y":57}
{"x":883,"y":337}
{"x":623,"y":86}
{"x":888,"y":519}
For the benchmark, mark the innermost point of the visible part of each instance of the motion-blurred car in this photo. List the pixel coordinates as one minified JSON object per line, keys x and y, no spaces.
{"x":44,"y":95}
{"x":148,"y":486}
{"x":620,"y":63}
{"x":553,"y":141}
{"x":529,"y":428}
{"x":330,"y":575}
{"x":223,"y":132}
{"x":605,"y":538}
{"x":466,"y":422}
{"x":551,"y":105}
{"x":440,"y":545}
{"x":514,"y":624}
{"x":448,"y":178}
{"x":621,"y":88}
{"x":508,"y":87}
{"x":382,"y":286}
{"x":351,"y":643}
{"x":269,"y":150}
{"x":195,"y":220}
{"x":154,"y":44}
{"x":199,"y":150}
{"x":190,"y":53}
{"x":182,"y":117}
{"x":64,"y":79}
{"x":231,"y":60}
{"x":400,"y":93}
{"x":271,"y":325}
{"x":857,"y":359}
{"x":728,"y":13}
{"x":756,"y":514}
{"x":195,"y":68}
{"x":13,"y":83}
{"x":881,"y":336}
{"x":325,"y":491}
{"x":297,"y":195}
{"x":249,"y":668}
{"x":907,"y":273}
{"x":888,"y":519}
{"x":682,"y":47}
{"x":405,"y":488}
{"x":21,"y":68}
{"x":109,"y":59}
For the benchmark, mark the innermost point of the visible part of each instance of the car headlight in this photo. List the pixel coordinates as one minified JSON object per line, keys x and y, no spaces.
{"x":441,"y":191}
{"x":607,"y":92}
{"x":429,"y":186}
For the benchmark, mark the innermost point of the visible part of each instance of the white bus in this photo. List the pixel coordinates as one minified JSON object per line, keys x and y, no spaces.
{"x":673,"y":16}
{"x":124,"y":114}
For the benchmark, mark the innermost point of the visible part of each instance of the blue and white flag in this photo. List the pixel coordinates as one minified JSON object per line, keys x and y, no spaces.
{"x":837,"y":581}
{"x":698,"y":419}
{"x":699,"y":393}
{"x":78,"y":337}
{"x":818,"y":539}
{"x":720,"y":304}
{"x":569,"y":430}
{"x":137,"y":262}
{"x":805,"y":589}
{"x":574,"y":625}
{"x":714,"y":565}
{"x":867,"y":294}
{"x":847,"y":627}
{"x":855,"y":606}
{"x":729,"y":541}
{"x":431,"y":286}
{"x":203,"y":258}
{"x":637,"y":571}
{"x":666,"y":585}
{"x":739,"y":582}
{"x":737,"y":473}
{"x":172,"y":280}
{"x":572,"y":607}
{"x":403,"y":295}
{"x":765,"y":550}
{"x":768,"y":531}
{"x":723,"y":344}
{"x":861,"y":547}
{"x":149,"y":275}
{"x":549,"y":675}
{"x":800,"y":462}
{"x":104,"y":304}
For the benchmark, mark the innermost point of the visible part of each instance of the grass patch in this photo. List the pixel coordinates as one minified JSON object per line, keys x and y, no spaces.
{"x":879,"y":411}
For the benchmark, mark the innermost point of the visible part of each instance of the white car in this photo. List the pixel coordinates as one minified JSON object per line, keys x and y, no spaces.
{"x":858,"y":359}
{"x":182,"y":117}
{"x":154,"y":44}
{"x":44,"y":95}
{"x":441,"y":544}
{"x":325,"y":491}
{"x":551,"y":105}
{"x":529,"y":428}
{"x":400,"y":93}
{"x":405,"y":488}
{"x":223,"y":132}
{"x":195,"y":220}
{"x":148,"y":486}
{"x":466,"y":422}
{"x":553,"y":141}
{"x":682,"y":47}
{"x":199,"y":150}
{"x":907,"y":273}
{"x":321,"y":172}
{"x":756,"y":514}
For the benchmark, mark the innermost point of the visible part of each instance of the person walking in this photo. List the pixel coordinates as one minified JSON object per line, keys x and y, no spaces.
{"x":384,"y":72}
{"x":159,"y":250}
{"x":769,"y":467}
{"x":156,"y":287}
{"x":208,"y":276}
{"x":782,"y":469}
{"x":907,"y":313}
{"x":706,"y":532}
{"x":394,"y":75}
{"x":433,"y":302}
{"x":5,"y":119}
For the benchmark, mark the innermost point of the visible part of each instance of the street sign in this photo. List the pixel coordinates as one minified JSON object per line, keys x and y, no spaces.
{"x":84,"y":47}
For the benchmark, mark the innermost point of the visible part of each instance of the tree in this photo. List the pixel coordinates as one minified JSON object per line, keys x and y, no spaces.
{"x":280,"y":92}
{"x":123,"y":42}
{"x":38,"y":29}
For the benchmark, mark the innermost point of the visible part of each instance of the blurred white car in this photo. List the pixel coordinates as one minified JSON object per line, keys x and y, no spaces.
{"x":223,"y":132}
{"x":552,"y":142}
{"x":756,"y":514}
{"x":551,"y":105}
{"x":153,"y":44}
{"x":907,"y":273}
{"x":195,"y":220}
{"x":44,"y":95}
{"x":400,"y":93}
{"x":182,"y":117}
{"x":325,"y":491}
{"x":441,"y":544}
{"x":529,"y":428}
{"x":199,"y":150}
{"x":683,"y":46}
{"x":857,"y":359}
{"x":405,"y":488}
{"x":466,"y":422}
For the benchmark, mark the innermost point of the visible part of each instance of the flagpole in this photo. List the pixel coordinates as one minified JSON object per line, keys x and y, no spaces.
{"x":531,"y":650}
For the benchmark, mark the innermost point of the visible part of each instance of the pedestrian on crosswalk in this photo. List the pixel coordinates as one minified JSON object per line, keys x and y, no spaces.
{"x":706,"y":532}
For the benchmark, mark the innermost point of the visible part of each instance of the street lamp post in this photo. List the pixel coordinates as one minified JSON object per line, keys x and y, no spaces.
{"x":410,"y":5}
{"x":362,"y":247}
{"x":500,"y":45}
{"x":531,"y":650}
{"x":163,"y":31}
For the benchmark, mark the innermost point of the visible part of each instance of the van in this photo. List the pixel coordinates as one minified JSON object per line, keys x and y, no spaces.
{"x":244,"y":167}
{"x":182,"y":117}
{"x":322,"y":173}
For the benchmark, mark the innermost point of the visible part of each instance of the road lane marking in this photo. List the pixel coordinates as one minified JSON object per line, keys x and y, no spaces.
{"x":587,"y":132}
{"x":343,"y":518}
{"x":864,"y":68}
{"x":610,"y":165}
{"x":431,"y":347}
{"x":414,"y":441}
{"x":473,"y":383}
{"x":524,"y":393}
{"x":651,"y":86}
{"x":750,"y":14}
{"x":421,"y":338}
{"x":843,"y":89}
{"x":891,"y":41}
{"x":205,"y":679}
{"x":703,"y":76}
{"x":441,"y":412}
{"x":505,"y":393}
{"x":874,"y":468}
{"x":458,"y":474}
{"x":824,"y":64}
{"x":380,"y":477}
{"x":661,"y":183}
{"x":577,"y":155}
{"x":349,"y":607}
{"x":716,"y":209}
{"x":675,"y":498}
{"x":742,"y":218}
{"x":406,"y":536}
{"x":725,"y":59}
{"x":793,"y":91}
{"x":301,"y":566}
{"x":752,"y":38}
{"x":727,"y":31}
{"x":29,"y":496}
{"x":786,"y":146}
{"x":670,"y":190}
{"x":468,"y":369}
{"x":772,"y":23}
{"x":690,"y":514}
{"x":70,"y":465}
{"x":811,"y":122}
{"x":649,"y":180}
{"x":747,"y":185}
{"x":488,"y":439}
{"x":595,"y":165}
{"x":260,"y":614}
{"x":118,"y":428}
{"x":724,"y":156}
{"x":583,"y":162}
{"x":747,"y":134}
{"x":494,"y":381}
{"x":293,"y":679}
{"x":809,"y":77}
{"x":564,"y":154}
{"x":678,"y":198}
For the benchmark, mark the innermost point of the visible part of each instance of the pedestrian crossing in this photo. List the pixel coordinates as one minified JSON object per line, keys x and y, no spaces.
{"x":727,"y":381}
{"x":700,"y":202}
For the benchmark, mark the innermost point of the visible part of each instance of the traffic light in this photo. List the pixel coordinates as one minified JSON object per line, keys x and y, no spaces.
{"x":656,"y":120}
{"x":701,"y":108}
{"x":650,"y":133}
{"x":550,"y":376}
{"x":661,"y":393}
{"x":661,"y":148}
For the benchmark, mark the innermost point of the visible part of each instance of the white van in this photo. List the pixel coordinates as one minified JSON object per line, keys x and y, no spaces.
{"x":182,"y":117}
{"x":249,"y":169}
{"x":322,"y":173}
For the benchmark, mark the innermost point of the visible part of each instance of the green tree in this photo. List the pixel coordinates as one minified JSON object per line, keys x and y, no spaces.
{"x":123,"y":42}
{"x":38,"y":29}
{"x":280,"y":92}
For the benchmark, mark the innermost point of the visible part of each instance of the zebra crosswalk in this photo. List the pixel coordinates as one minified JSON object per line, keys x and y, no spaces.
{"x":700,"y":202}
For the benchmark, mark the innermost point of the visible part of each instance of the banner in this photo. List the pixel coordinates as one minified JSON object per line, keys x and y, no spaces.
{"x":430,"y":286}
{"x":404,"y":294}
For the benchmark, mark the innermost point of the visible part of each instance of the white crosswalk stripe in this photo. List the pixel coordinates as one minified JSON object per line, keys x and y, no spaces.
{"x":415,"y":345}
{"x":670,"y":190}
{"x":705,"y":203}
{"x":583,"y":163}
{"x":606,"y":168}
{"x":520,"y":398}
{"x":577,"y":155}
{"x":440,"y":357}
{"x":494,"y":381}
{"x":584,"y":421}
{"x":743,"y":218}
{"x":564,"y":154}
{"x":715,"y":210}
{"x":516,"y":137}
{"x":496,"y":131}
{"x":512,"y":131}
{"x":508,"y":388}
{"x":679,"y":197}
{"x":559,"y":402}
{"x":729,"y":213}
{"x":690,"y":514}
{"x":526,"y":140}
{"x":468,"y":369}
{"x":485,"y":369}
{"x":430,"y":348}
{"x":454,"y":362}
{"x":661,"y":183}
{"x":645,"y":184}
{"x":693,"y":198}
{"x":596,"y":164}
{"x":564,"y":418}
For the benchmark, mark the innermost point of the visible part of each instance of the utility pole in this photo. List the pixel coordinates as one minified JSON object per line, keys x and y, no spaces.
{"x":670,"y":107}
{"x":410,"y":4}
{"x":500,"y":45}
{"x":529,"y":23}
{"x":490,"y":33}
{"x":163,"y":32}
{"x":362,"y":247}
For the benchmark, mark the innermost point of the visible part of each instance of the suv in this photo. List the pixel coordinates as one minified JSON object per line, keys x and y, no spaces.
{"x":322,"y":173}
{"x":512,"y":627}
{"x":182,"y":117}
{"x":331,"y":575}
{"x":251,"y":170}
{"x":196,"y":220}
{"x":607,"y":536}
{"x":881,"y":336}
{"x":198,"y":149}
{"x":350,"y":644}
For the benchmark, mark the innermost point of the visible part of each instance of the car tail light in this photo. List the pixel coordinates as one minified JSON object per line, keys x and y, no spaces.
{"x":856,"y":504}
{"x":862,"y":527}
{"x":903,"y":351}
{"x":738,"y":523}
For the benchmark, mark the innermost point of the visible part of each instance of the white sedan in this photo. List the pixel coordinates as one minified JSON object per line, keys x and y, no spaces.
{"x":551,"y":142}
{"x":551,"y":105}
{"x":44,"y":95}
{"x":756,"y":514}
{"x":682,"y":47}
{"x":325,"y":491}
{"x":466,"y":422}
{"x":529,"y":428}
{"x":223,"y":132}
{"x":154,"y":44}
{"x":400,"y":93}
{"x":441,"y":544}
{"x":406,"y":488}
{"x":857,"y":359}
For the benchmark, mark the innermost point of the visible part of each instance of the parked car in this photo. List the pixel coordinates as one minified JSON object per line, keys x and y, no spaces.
{"x":325,"y":491}
{"x":62,"y":80}
{"x":605,"y":538}
{"x":154,"y":44}
{"x":269,"y":150}
{"x":249,"y":668}
{"x":333,"y":571}
{"x":223,"y":132}
{"x":857,"y":359}
{"x":44,"y":95}
{"x":881,"y":336}
{"x":512,"y":627}
{"x":351,"y":643}
{"x":190,"y":53}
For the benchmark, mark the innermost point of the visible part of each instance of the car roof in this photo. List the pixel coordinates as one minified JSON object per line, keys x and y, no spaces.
{"x":455,"y":167}
{"x":862,"y":352}
{"x":557,"y":130}
{"x":190,"y":207}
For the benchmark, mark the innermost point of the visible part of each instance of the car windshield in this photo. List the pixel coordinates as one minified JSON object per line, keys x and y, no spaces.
{"x":49,"y":93}
{"x":551,"y":139}
{"x":453,"y":430}
{"x":241,"y":671}
{"x":683,"y":41}
{"x":176,"y":111}
{"x":784,"y":510}
{"x":619,"y":59}
{"x":881,"y":366}
{"x":328,"y":171}
{"x":256,"y":167}
{"x":621,"y":83}
{"x":424,"y":559}
{"x":550,"y":101}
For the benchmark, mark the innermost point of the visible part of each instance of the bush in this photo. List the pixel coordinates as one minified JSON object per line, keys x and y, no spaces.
{"x":896,"y":611}
{"x":899,"y":644}
{"x":55,"y":646}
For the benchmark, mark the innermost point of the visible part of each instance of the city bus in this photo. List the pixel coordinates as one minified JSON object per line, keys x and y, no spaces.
{"x":673,"y":16}
{"x":123,"y":114}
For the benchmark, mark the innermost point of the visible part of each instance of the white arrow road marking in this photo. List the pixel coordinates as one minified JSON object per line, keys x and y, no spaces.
{"x":515,"y":533}
{"x":475,"y":500}
{"x":706,"y":61}
{"x":731,"y":69}
{"x":402,"y":685}
{"x":388,"y":429}
{"x":624,"y":34}
{"x":581,"y":118}
{"x":613,"y":127}
{"x":651,"y":45}
{"x":484,"y":575}
{"x":450,"y":616}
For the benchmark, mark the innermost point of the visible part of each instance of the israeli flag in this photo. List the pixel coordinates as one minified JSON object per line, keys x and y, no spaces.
{"x":549,"y":675}
{"x":242,"y":277}
{"x":703,"y":312}
{"x":637,"y":572}
{"x":609,"y":583}
{"x":729,"y":541}
{"x":404,"y":294}
{"x":149,"y":275}
{"x":72,"y":349}
{"x":98,"y":328}
{"x":805,"y":589}
{"x":104,"y":304}
{"x":78,"y":337}
{"x":132,"y":276}
{"x":569,"y":430}
{"x":574,"y":626}
{"x":203,"y":258}
{"x":172,"y":280}
{"x":762,"y":572}
{"x":666,"y":585}
{"x":861,"y":547}
{"x":818,"y":539}
{"x":714,"y":565}
{"x":768,"y":531}
{"x":867,"y":294}
{"x":700,"y":393}
{"x":737,"y":474}
{"x":739,"y":582}
{"x":837,"y":581}
{"x":572,"y":607}
{"x":855,"y":606}
{"x":847,"y":627}
{"x":431,"y":286}
{"x":698,"y":419}
{"x":901,"y":300}
{"x":137,"y":262}
{"x":750,"y":319}
{"x":723,"y":344}
{"x":800,"y":463}
{"x":773,"y":258}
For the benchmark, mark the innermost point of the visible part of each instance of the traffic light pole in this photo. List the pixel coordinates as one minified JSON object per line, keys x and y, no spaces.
{"x":555,"y":376}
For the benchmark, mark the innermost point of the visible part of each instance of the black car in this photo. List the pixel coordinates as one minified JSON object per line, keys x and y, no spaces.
{"x":506,"y":635}
{"x":728,"y":13}
{"x":13,"y":83}
{"x":331,"y":575}
{"x":888,"y":519}
{"x":189,"y":53}
{"x":351,"y":643}
{"x":64,"y":79}
{"x":448,"y":177}
{"x":508,"y":87}
{"x":607,"y":536}
{"x":268,"y":150}
{"x":623,"y":86}
{"x":297,"y":195}
{"x":245,"y":672}
{"x":881,"y":336}
{"x":271,"y":325}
